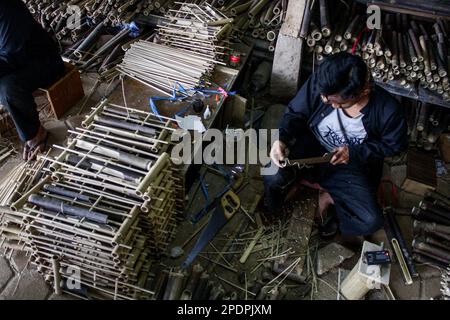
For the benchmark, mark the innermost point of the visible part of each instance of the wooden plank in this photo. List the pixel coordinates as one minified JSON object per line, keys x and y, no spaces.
{"x":287,"y":60}
{"x":431,"y":9}
{"x":294,"y":18}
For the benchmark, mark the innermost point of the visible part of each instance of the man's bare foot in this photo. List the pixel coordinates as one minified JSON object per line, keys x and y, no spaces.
{"x":324,"y":203}
{"x":37,"y":144}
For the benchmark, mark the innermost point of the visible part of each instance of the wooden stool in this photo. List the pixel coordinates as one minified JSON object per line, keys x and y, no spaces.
{"x":65,"y":92}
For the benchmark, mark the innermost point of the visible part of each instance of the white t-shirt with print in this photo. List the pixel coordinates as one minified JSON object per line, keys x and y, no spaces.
{"x":330,"y":135}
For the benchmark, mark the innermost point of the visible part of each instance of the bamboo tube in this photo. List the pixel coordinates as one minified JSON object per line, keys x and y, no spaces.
{"x":395,"y":54}
{"x":304,"y":30}
{"x":416,"y":45}
{"x":154,"y":170}
{"x":412,"y":53}
{"x":425,"y":55}
{"x":21,"y":201}
{"x":316,"y":34}
{"x":348,"y":34}
{"x":115,"y":154}
{"x":325,"y":26}
{"x":97,"y":111}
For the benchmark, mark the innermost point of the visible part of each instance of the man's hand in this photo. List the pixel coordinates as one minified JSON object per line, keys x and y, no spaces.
{"x":342,"y":156}
{"x":279,"y":152}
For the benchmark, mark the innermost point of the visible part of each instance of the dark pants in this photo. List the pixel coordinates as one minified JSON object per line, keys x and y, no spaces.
{"x":353,"y":188}
{"x":17,"y":85}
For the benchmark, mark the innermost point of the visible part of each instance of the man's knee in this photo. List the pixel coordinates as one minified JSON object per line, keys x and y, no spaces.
{"x":373,"y":220}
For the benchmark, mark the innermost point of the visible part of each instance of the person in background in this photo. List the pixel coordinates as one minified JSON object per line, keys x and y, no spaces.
{"x":29,"y":59}
{"x":340,"y":110}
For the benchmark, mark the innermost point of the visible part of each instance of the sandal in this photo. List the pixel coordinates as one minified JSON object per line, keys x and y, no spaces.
{"x":32,"y":152}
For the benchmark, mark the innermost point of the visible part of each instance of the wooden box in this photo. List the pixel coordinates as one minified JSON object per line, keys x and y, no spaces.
{"x":66,"y":92}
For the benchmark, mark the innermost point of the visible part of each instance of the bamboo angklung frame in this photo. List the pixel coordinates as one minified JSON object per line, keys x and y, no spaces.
{"x":114,"y":258}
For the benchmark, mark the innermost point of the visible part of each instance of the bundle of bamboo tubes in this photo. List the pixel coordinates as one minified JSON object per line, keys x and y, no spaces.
{"x":406,"y":50}
{"x":426,"y":123}
{"x":57,"y":16}
{"x":431,"y":243}
{"x":162,"y":67}
{"x":108,"y":207}
{"x":80,"y":26}
{"x":261,"y":19}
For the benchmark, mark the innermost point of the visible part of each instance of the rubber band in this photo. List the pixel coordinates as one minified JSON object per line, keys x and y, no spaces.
{"x":358,"y":38}
{"x":186,"y":93}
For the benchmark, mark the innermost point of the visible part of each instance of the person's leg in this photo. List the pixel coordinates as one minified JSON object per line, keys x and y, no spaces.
{"x":355,"y":200}
{"x":16,"y":94}
{"x":17,"y":97}
{"x":277,"y":186}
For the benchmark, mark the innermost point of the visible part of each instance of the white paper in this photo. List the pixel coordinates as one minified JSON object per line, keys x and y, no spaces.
{"x":191,"y":122}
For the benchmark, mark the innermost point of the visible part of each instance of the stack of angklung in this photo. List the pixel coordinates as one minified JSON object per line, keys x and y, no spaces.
{"x":14,"y":184}
{"x":20,"y":180}
{"x":189,"y":48}
{"x":405,"y":50}
{"x":109,"y":205}
{"x":196,"y":29}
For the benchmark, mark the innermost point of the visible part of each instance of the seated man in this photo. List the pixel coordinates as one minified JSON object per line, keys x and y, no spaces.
{"x":339,"y":109}
{"x":29,"y":59}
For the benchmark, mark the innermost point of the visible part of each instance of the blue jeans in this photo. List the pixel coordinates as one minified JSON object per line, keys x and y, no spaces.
{"x":17,"y":85}
{"x":353,"y":188}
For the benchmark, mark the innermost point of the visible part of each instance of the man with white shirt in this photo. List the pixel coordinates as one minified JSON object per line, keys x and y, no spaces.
{"x":340,"y":110}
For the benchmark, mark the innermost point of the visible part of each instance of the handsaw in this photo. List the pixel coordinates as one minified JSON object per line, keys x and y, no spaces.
{"x":301,"y":163}
{"x":226,"y":206}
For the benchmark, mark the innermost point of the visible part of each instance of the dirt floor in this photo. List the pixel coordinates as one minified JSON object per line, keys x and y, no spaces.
{"x":228,"y":277}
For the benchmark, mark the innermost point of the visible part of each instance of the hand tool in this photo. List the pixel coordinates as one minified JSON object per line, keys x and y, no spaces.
{"x":226,"y":206}
{"x":305,"y":163}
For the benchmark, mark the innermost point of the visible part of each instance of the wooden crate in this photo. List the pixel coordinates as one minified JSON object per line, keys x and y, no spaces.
{"x":66,"y":92}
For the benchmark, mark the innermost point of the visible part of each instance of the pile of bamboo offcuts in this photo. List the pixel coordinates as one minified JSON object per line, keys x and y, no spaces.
{"x":6,"y":149}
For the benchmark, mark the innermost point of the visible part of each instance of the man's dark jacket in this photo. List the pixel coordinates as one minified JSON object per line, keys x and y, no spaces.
{"x":383,"y":120}
{"x":22,"y":39}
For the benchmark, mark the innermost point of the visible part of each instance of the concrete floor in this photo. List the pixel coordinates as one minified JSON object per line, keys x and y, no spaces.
{"x":19,"y":280}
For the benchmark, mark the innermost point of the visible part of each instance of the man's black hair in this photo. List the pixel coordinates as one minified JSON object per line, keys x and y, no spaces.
{"x":343,"y":74}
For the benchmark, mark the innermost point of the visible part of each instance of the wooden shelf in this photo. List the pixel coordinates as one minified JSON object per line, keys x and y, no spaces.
{"x":429,"y":9}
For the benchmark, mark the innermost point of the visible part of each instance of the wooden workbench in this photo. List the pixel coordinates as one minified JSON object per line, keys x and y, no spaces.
{"x":138,"y":94}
